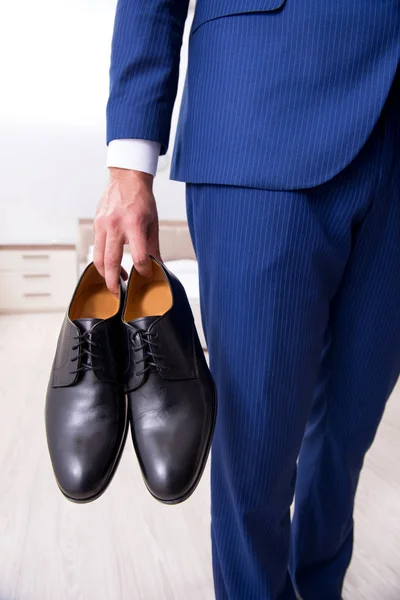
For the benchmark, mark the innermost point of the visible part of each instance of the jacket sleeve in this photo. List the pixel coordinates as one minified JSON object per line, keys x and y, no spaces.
{"x":144,"y":69}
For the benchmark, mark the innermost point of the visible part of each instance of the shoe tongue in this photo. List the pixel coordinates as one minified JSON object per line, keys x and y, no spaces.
{"x":143,"y":323}
{"x":86,"y":324}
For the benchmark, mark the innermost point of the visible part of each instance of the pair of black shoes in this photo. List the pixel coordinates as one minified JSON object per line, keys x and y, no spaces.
{"x":137,"y":360}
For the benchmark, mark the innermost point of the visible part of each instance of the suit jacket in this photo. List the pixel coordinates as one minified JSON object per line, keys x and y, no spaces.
{"x":279,"y":94}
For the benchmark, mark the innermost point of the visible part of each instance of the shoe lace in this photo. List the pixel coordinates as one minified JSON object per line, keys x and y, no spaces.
{"x":85,"y":346}
{"x":149,"y":355}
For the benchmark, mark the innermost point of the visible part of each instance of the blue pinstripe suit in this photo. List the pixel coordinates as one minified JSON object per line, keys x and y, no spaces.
{"x":288,"y":140}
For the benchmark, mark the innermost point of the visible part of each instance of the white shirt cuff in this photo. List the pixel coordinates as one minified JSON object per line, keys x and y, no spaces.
{"x":138,"y":155}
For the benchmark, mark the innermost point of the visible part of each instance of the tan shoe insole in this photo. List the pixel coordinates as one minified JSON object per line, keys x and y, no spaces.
{"x":148,"y":297}
{"x":96,"y":303}
{"x":150,"y":300}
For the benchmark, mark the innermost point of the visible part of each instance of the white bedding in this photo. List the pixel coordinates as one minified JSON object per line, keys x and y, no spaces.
{"x":187,"y":271}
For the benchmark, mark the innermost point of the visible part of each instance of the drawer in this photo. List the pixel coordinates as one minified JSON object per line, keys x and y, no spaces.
{"x":19,"y":292}
{"x":37,"y":261}
{"x":33,"y":282}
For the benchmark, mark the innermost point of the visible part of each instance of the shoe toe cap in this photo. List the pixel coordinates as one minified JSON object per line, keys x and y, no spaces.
{"x":78,"y":481}
{"x":169,"y":484}
{"x":171,"y":465}
{"x":84,"y":459}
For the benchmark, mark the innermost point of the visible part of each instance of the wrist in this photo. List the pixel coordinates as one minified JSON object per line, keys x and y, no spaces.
{"x":117,"y":173}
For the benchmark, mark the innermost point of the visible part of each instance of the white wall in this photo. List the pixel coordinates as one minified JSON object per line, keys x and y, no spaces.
{"x":54,"y":85}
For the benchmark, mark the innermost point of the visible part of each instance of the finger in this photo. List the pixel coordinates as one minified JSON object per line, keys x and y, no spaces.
{"x":98,"y":250}
{"x":140,"y":254}
{"x":112,"y":261}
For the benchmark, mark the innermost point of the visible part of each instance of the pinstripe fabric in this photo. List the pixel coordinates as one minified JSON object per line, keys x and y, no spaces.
{"x":278,"y":95}
{"x":144,"y":69}
{"x":288,"y":277}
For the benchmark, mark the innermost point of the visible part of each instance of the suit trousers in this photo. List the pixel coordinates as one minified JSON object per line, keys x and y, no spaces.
{"x":300,"y":299}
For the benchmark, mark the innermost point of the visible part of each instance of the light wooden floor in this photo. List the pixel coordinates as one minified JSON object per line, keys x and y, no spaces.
{"x":126,"y":546}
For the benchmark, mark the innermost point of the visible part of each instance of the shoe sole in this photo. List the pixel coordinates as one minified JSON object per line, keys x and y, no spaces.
{"x":113,"y":469}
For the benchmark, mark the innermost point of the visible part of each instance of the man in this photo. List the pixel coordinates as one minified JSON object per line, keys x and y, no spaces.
{"x":289,"y":143}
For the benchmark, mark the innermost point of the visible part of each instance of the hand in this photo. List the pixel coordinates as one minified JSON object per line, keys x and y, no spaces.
{"x":127,"y":214}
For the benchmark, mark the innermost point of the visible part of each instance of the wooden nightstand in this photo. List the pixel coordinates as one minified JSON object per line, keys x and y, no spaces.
{"x":36,"y":277}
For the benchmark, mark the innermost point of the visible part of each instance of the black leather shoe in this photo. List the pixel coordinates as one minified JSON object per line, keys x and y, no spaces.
{"x":171,"y":394}
{"x":86,"y":408}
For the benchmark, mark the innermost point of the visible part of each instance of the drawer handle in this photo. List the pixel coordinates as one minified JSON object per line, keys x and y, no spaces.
{"x":35,"y":256}
{"x":36,"y":275}
{"x":37,"y":295}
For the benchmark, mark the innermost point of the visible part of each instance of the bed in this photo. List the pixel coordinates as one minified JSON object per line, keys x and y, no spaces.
{"x":176,"y":250}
